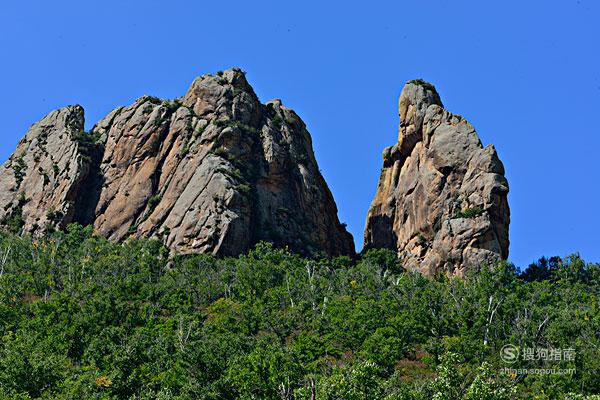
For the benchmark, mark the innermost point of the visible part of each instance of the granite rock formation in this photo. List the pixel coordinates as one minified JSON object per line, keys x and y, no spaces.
{"x":213,"y":171}
{"x":441,"y":201}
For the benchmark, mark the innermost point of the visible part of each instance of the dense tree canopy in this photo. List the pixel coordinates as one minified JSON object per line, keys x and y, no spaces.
{"x":83,"y":318}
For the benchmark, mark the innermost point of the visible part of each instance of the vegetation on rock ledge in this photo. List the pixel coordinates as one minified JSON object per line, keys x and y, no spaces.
{"x":424,"y":83}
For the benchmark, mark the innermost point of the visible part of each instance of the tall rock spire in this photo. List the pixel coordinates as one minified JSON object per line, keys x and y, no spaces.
{"x":441,"y":201}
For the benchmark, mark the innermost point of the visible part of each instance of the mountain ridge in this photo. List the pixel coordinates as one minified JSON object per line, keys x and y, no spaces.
{"x":251,"y":166}
{"x":217,"y":171}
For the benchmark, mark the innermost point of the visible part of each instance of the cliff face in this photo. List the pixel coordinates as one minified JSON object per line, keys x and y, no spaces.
{"x":214,"y":171}
{"x":441,"y":201}
{"x":42,"y":180}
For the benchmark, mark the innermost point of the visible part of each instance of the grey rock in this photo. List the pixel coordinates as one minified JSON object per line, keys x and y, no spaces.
{"x":41,"y":181}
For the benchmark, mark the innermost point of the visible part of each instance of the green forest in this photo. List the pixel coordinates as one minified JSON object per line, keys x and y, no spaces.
{"x":84,"y":318}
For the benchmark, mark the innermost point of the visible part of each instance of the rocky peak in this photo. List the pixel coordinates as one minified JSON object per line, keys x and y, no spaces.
{"x":213,"y":171}
{"x":441,"y":200}
{"x":225,"y":95}
{"x":415,"y":99}
{"x":45,"y":172}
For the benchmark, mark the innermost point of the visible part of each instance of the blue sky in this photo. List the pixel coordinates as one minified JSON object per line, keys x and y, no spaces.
{"x":525,"y":74}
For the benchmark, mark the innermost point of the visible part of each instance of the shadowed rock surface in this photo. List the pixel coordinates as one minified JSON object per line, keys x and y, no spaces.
{"x":441,"y":201}
{"x":214,"y":171}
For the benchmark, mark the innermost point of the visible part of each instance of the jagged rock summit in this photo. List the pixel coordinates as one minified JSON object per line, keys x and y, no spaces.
{"x":441,"y":201}
{"x":213,"y":171}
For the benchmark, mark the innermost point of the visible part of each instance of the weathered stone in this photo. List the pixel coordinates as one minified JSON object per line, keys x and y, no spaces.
{"x":441,"y":200}
{"x":41,"y":181}
{"x":214,"y":171}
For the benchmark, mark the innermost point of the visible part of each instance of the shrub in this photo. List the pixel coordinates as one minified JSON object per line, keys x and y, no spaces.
{"x":219,"y":123}
{"x":469,"y":212}
{"x":277,"y":121}
{"x":424,"y":84}
{"x":172,"y":105}
{"x":185,"y":150}
{"x":153,"y":202}
{"x":14,"y":221}
{"x":244,"y":188}
{"x":53,"y":215}
{"x":19,"y":169}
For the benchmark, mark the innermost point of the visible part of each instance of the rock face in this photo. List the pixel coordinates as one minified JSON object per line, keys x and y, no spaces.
{"x":214,"y":171}
{"x":41,"y":182}
{"x":441,"y":201}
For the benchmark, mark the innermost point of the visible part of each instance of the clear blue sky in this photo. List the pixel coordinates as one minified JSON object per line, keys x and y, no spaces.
{"x":525,"y":73}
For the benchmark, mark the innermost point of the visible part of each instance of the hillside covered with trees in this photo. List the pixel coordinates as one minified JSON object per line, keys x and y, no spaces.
{"x":84,"y":318}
